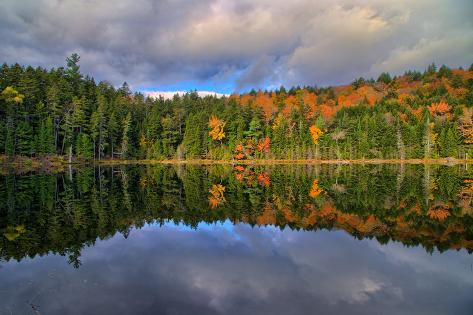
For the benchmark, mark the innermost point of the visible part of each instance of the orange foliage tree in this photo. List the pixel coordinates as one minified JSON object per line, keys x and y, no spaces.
{"x":438,"y":213}
{"x":310,"y":100}
{"x":265,"y":102}
{"x":264,"y":179}
{"x":263,"y":145}
{"x":248,"y":150}
{"x":327,"y":111}
{"x":440,"y":108}
{"x":248,"y":176}
{"x":239,"y":151}
{"x":315,"y":190}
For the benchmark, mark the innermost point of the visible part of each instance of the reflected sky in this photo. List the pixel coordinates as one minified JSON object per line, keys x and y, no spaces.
{"x":239,"y":269}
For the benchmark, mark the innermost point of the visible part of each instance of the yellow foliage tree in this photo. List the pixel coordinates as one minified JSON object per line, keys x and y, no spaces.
{"x":143,"y":141}
{"x":315,"y":133}
{"x":217,"y":128}
{"x":216,"y":196}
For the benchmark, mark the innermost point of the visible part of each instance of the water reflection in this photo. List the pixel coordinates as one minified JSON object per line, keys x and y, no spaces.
{"x":239,"y":239}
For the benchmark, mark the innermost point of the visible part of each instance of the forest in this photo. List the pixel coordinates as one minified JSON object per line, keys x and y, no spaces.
{"x":62,"y":112}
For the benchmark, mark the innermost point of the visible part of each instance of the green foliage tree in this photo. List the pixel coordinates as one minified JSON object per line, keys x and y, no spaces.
{"x":45,"y":138}
{"x":83,"y":146}
{"x":98,"y":128}
{"x":72,"y":72}
{"x":449,"y":140}
{"x":125,"y":144}
{"x":24,"y":138}
{"x":385,"y":78}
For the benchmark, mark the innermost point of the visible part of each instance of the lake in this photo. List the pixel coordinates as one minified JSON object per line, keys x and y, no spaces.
{"x":223,"y":239}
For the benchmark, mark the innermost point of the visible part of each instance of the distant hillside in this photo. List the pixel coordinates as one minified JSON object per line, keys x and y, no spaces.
{"x":413,"y":90}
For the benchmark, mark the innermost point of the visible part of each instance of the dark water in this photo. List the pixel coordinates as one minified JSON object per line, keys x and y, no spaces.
{"x":380,"y":239}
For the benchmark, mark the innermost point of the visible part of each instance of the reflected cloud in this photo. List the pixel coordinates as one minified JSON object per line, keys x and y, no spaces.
{"x":216,"y":269}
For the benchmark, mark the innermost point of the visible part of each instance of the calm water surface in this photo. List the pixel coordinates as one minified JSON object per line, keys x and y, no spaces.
{"x":379,"y":239}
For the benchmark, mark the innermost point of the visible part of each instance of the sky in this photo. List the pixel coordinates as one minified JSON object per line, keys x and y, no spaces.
{"x":226,"y":46}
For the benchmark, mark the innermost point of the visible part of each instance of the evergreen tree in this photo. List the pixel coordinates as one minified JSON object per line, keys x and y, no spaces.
{"x":83,"y":146}
{"x":45,"y":137}
{"x":384,"y":77}
{"x":113,"y":132}
{"x":125,"y":145}
{"x":73,"y":73}
{"x":98,"y":128}
{"x":449,"y":140}
{"x":24,"y":141}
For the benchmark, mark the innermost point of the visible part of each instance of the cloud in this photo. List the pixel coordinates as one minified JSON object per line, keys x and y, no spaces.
{"x":170,"y":94}
{"x":427,"y":51}
{"x":241,"y":44}
{"x":257,"y":73}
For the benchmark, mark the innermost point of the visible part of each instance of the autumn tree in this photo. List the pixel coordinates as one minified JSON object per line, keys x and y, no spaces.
{"x":216,"y":126}
{"x":315,"y":133}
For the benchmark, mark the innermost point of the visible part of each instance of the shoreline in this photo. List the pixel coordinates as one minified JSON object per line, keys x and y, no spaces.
{"x":441,"y":161}
{"x":61,"y":161}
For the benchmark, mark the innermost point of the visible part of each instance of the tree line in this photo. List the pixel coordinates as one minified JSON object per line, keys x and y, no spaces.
{"x":62,"y":112}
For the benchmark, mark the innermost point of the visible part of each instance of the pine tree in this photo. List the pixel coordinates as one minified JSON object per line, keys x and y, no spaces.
{"x":193,"y":136}
{"x":24,"y":135}
{"x":83,"y":146}
{"x":449,"y":140}
{"x":255,"y":130}
{"x":55,"y":110}
{"x":73,"y":73}
{"x":45,"y":137}
{"x":112,"y":131}
{"x":98,"y":127}
{"x":125,"y":145}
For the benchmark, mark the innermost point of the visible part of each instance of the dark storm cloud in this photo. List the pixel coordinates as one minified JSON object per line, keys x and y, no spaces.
{"x":256,"y":73}
{"x":252,"y":43}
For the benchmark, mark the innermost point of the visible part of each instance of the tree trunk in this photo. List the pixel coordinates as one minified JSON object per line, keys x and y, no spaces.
{"x":70,"y":153}
{"x":400,"y":143}
{"x":56,"y":134}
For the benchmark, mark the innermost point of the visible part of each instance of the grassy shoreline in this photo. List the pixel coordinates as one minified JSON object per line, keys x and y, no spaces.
{"x":443,"y":161}
{"x":60,"y":163}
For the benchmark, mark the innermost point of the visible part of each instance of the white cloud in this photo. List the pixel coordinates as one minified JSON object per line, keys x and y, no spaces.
{"x":170,"y":94}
